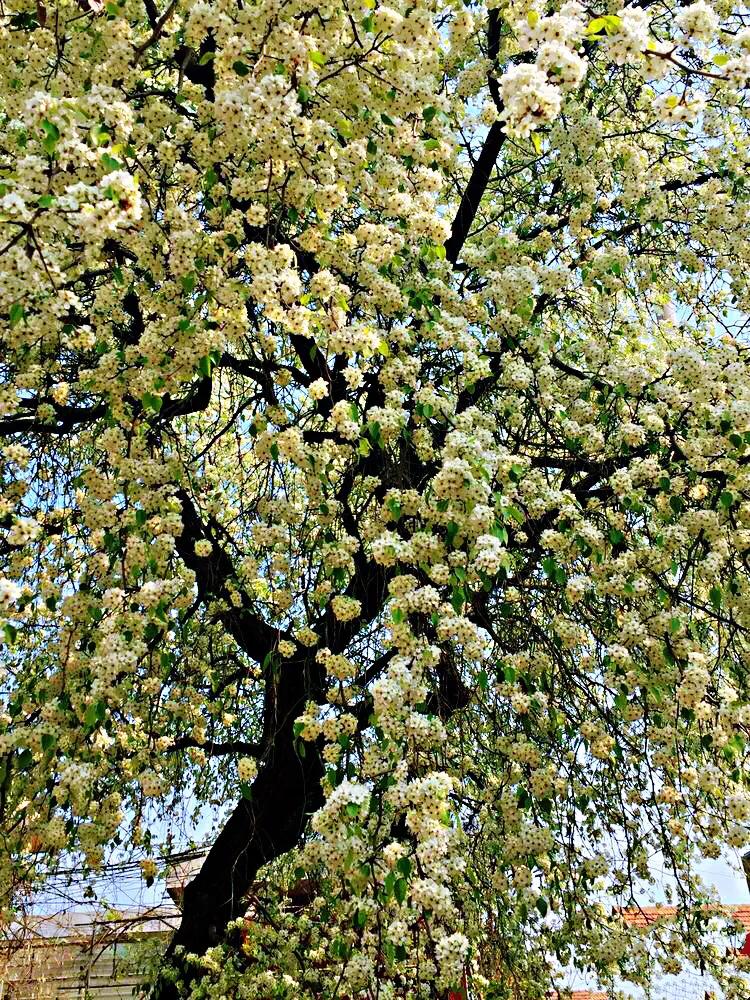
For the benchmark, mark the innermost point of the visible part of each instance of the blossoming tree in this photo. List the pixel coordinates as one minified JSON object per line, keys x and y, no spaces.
{"x":375,"y":422}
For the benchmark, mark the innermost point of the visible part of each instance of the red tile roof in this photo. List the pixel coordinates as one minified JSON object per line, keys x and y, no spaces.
{"x":580,"y":995}
{"x":643,"y":916}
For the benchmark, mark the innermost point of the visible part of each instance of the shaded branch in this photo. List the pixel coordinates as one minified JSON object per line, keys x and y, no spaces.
{"x":216,"y":749}
{"x":474,"y":192}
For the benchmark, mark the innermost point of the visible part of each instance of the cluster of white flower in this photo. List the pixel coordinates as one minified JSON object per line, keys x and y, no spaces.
{"x":491,"y":554}
{"x":247,"y":769}
{"x":343,"y":420}
{"x":10,"y":592}
{"x":401,"y":687}
{"x":532,"y":94}
{"x":629,"y":43}
{"x":152,"y":784}
{"x":451,"y":952}
{"x":318,"y":389}
{"x":693,"y":686}
{"x":346,"y":608}
{"x":698,"y":21}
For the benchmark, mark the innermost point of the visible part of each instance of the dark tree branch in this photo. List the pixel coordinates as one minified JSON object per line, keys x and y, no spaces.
{"x":216,"y":749}
{"x":197,"y":400}
{"x":482,"y":172}
{"x":213,"y":573}
{"x":286,"y":790}
{"x":474,"y":192}
{"x":68,"y":417}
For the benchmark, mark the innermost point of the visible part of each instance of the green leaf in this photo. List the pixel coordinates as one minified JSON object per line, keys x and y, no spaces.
{"x":610,"y":23}
{"x":316,"y":57}
{"x":515,"y":514}
{"x":16,"y":314}
{"x":549,"y":567}
{"x":152,"y":402}
{"x":11,"y":633}
{"x":390,"y":881}
{"x":340,"y":949}
{"x":110,"y":163}
{"x":99,"y":135}
{"x":400,"y":889}
{"x":94,"y":714}
{"x":404,"y":866}
{"x":501,"y":532}
{"x":51,"y":135}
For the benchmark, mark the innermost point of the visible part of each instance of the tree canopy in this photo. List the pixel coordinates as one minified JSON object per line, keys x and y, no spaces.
{"x":375,"y":429}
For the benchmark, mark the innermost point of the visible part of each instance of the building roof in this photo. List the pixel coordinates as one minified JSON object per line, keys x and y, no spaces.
{"x":645,"y":916}
{"x":79,"y":954}
{"x":581,"y":995}
{"x":86,"y":925}
{"x":183,"y":871}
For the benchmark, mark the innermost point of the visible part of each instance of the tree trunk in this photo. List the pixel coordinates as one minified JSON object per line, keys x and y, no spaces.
{"x":261,"y":828}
